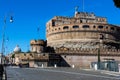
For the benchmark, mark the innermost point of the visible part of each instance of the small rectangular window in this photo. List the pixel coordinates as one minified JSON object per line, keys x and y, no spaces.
{"x":85,"y":26}
{"x":53,"y":23}
{"x":65,"y":27}
{"x":112,"y":28}
{"x":76,"y":26}
{"x":100,"y":27}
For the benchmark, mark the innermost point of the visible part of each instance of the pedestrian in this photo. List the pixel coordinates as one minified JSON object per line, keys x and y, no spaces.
{"x":1,"y":71}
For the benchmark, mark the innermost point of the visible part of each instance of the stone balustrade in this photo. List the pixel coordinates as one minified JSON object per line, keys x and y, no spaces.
{"x":103,"y":52}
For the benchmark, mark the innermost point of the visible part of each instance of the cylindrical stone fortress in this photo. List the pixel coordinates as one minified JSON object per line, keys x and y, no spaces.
{"x":84,"y":30}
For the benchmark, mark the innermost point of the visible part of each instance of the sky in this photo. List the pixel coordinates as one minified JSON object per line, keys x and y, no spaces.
{"x":28,"y":15}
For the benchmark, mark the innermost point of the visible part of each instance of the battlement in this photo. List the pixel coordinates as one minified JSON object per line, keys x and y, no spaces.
{"x":79,"y":17}
{"x":89,"y":52}
{"x":37,"y":42}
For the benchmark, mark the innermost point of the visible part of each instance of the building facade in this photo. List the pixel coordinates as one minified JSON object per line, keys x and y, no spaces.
{"x":81,"y":38}
{"x":73,"y":41}
{"x":36,"y":57}
{"x":81,"y":31}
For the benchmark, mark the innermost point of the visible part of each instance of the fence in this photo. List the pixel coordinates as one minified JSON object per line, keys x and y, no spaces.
{"x":106,"y":65}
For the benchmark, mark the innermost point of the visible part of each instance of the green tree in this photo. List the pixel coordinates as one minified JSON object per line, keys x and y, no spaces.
{"x":117,"y":3}
{"x":13,"y":55}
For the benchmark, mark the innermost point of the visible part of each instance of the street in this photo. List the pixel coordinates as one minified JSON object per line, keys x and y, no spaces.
{"x":15,"y":73}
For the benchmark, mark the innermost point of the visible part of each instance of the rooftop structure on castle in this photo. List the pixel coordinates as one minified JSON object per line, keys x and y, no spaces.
{"x":83,"y":30}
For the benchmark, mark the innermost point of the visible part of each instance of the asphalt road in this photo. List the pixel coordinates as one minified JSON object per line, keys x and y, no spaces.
{"x":14,"y":73}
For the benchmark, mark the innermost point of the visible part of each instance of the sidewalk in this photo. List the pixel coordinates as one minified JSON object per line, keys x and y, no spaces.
{"x":113,"y":73}
{"x":110,"y":72}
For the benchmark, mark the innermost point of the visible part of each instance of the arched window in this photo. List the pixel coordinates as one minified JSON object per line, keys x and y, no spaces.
{"x":65,"y":27}
{"x":75,"y":26}
{"x":59,"y":28}
{"x":86,"y":26}
{"x":94,"y":26}
{"x":100,"y":27}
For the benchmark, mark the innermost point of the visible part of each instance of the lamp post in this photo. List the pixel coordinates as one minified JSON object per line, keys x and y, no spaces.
{"x":3,"y":40}
{"x":100,"y":41}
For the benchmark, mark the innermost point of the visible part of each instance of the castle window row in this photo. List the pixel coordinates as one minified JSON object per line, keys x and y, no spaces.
{"x":85,"y":27}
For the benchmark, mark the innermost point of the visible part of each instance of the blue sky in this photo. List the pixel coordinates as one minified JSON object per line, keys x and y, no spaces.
{"x":30,"y":14}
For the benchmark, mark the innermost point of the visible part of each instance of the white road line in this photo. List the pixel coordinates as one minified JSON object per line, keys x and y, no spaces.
{"x":79,"y":74}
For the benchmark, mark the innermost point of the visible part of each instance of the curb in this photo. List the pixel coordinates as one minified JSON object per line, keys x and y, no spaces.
{"x":111,"y":73}
{"x":105,"y":72}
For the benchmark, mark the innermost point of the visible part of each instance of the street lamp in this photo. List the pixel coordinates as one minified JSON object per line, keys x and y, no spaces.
{"x":100,"y":41}
{"x":3,"y":40}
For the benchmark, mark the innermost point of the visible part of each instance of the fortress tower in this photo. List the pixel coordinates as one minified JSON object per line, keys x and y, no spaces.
{"x":83,"y":30}
{"x":37,"y":45}
{"x":83,"y":39}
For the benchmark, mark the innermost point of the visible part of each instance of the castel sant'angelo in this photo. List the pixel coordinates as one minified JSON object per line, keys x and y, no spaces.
{"x":80,"y":38}
{"x":75,"y":41}
{"x":82,"y":31}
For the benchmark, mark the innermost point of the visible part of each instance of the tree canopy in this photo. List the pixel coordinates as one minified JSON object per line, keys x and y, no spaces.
{"x":117,"y":3}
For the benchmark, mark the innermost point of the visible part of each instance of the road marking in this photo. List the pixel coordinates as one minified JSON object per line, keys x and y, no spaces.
{"x":79,"y":74}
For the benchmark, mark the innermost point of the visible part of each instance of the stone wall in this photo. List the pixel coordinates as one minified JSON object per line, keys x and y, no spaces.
{"x":92,"y":32}
{"x":59,"y":30}
{"x":78,"y":39}
{"x":82,"y":58}
{"x":82,"y":61}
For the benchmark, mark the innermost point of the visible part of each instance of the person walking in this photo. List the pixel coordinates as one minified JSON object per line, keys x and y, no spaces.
{"x":1,"y":71}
